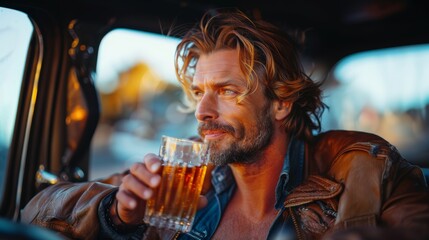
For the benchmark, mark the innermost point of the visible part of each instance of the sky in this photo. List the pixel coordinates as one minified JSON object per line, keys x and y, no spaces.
{"x":15,"y":34}
{"x":394,"y":79}
{"x":120,"y":49}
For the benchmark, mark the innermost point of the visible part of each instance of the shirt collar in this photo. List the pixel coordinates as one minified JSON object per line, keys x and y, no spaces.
{"x":222,"y":178}
{"x":284,"y":178}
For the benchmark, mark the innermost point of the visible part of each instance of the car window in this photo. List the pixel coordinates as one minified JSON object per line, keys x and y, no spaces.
{"x":15,"y":34}
{"x":140,"y":99}
{"x":384,"y":92}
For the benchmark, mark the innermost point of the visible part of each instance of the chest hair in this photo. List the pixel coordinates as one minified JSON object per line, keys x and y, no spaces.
{"x":236,"y":225}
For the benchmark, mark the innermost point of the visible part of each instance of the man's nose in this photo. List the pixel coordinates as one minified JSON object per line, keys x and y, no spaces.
{"x":207,"y":108}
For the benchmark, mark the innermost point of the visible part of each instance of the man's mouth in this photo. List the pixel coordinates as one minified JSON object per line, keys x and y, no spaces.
{"x":212,"y":134}
{"x":214,"y":131}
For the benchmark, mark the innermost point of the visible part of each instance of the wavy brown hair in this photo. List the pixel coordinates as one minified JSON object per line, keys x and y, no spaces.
{"x":268,"y":56}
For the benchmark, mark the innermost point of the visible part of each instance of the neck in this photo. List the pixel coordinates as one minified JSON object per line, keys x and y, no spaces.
{"x":256,"y":182}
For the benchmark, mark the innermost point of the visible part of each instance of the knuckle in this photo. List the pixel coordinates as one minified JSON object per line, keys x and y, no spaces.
{"x":150,"y":158}
{"x":135,"y":168}
{"x":126,"y":179}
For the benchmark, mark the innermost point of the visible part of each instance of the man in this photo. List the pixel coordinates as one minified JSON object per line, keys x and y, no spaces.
{"x":274,"y":180}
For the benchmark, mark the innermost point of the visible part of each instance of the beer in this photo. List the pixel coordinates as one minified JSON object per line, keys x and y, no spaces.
{"x":174,"y":202}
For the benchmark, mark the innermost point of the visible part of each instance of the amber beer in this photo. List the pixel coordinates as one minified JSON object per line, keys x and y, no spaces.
{"x":174,"y":202}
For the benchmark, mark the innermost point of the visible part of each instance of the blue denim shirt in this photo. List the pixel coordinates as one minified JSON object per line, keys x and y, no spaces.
{"x":207,"y":219}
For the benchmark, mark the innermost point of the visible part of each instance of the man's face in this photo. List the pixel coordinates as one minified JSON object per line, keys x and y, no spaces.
{"x":237,"y":132}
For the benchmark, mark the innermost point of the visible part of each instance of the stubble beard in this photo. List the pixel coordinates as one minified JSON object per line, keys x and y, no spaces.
{"x":250,"y":148}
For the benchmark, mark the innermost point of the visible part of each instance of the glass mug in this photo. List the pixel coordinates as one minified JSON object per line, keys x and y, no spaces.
{"x":174,"y":202}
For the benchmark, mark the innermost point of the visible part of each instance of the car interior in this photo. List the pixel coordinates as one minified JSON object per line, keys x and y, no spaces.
{"x":88,"y":87}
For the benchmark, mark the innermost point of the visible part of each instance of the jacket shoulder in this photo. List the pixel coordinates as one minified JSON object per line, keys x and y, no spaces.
{"x":328,"y":146}
{"x":379,"y":185}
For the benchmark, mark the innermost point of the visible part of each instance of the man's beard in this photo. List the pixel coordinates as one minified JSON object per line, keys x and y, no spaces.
{"x":250,"y":148}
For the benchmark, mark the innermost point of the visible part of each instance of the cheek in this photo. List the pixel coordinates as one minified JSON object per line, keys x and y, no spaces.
{"x":246,"y":123}
{"x":242,"y":117}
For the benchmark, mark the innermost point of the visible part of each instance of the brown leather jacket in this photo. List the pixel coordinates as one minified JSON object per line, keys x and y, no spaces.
{"x":352,"y":179}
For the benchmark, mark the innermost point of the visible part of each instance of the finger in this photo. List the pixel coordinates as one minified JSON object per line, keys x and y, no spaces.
{"x":126,"y":200}
{"x":133,"y":185}
{"x":129,"y":213}
{"x":140,"y":172}
{"x":202,"y":202}
{"x":152,"y":162}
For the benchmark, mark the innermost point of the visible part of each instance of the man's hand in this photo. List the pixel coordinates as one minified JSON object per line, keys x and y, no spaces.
{"x":136,"y":188}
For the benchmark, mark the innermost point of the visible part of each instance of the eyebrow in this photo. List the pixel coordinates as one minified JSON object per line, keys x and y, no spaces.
{"x":218,"y":84}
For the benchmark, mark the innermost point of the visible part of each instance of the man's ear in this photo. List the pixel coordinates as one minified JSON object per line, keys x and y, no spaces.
{"x":281,"y":109}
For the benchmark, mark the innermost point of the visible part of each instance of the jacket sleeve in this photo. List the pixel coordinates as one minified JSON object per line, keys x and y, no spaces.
{"x":70,"y":208}
{"x":107,"y":228}
{"x":407,"y":203}
{"x":381,"y":189}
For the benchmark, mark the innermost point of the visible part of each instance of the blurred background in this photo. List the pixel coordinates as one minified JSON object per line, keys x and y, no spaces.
{"x":384,"y":91}
{"x":373,"y":57}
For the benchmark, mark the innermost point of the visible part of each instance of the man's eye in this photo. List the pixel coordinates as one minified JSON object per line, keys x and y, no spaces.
{"x":197,"y":94}
{"x":228,"y":92}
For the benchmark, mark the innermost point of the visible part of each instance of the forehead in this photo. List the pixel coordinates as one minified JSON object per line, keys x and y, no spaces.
{"x":218,"y":64}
